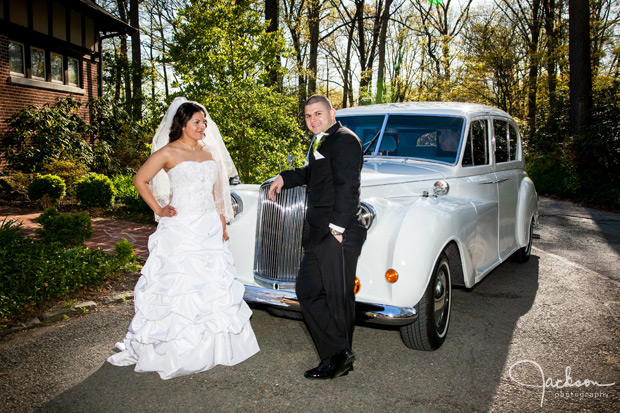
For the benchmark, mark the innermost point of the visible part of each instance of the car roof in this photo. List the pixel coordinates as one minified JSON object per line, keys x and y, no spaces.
{"x":427,"y":108}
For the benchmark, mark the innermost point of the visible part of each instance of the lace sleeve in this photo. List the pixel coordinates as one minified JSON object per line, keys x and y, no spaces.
{"x":221,"y":193}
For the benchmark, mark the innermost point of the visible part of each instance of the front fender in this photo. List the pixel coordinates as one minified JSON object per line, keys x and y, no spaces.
{"x":428,"y":227}
{"x":242,"y":233}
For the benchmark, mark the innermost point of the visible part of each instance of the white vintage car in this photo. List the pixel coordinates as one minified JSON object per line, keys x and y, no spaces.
{"x":446,"y":200}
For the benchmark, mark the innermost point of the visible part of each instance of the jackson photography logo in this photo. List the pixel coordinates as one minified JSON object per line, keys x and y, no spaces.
{"x":564,"y":388}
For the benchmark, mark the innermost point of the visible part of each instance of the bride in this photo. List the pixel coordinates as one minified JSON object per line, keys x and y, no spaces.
{"x":189,"y":308}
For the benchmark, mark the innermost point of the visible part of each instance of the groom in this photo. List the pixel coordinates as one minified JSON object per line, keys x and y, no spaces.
{"x":333,"y":236}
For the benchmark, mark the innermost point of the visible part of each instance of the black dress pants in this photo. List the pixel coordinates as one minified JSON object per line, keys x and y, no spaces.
{"x":325,"y":290}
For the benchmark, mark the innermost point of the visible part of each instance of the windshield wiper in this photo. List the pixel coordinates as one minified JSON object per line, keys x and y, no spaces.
{"x":369,"y":144}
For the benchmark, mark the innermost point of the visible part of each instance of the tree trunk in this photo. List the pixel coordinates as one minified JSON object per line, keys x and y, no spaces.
{"x":271,"y":15}
{"x":163,"y":54}
{"x":136,"y":60}
{"x":552,"y":42}
{"x":580,"y":69}
{"x":361,"y":46}
{"x":382,"y":40}
{"x":347,"y":89}
{"x":314,"y":14}
{"x":152,"y":62}
{"x":533,"y":69}
{"x":122,"y":11}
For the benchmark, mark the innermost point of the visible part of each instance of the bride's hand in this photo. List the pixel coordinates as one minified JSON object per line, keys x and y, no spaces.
{"x":225,"y":236}
{"x":168,"y":211}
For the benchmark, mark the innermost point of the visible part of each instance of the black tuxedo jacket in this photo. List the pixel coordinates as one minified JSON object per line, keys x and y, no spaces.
{"x":333,"y":183}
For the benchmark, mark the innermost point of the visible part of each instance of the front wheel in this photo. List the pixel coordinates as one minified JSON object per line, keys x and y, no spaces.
{"x":429,"y":330}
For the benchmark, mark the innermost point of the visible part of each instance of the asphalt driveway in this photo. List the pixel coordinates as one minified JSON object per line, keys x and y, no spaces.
{"x":542,"y":333}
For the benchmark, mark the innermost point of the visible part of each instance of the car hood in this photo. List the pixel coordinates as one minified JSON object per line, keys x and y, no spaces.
{"x":385,"y":171}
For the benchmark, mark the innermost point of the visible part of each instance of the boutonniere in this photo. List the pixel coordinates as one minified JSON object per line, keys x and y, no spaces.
{"x":317,"y":140}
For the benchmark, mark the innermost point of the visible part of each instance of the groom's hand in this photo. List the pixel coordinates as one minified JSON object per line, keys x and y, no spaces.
{"x":276,"y":187}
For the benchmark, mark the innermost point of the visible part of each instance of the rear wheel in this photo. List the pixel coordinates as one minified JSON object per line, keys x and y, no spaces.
{"x":429,"y":330}
{"x":523,"y":254}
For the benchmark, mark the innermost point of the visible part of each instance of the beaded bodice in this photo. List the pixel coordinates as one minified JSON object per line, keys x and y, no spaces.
{"x":191,"y":185}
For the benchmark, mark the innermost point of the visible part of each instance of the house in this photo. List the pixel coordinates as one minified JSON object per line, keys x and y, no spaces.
{"x":51,"y":49}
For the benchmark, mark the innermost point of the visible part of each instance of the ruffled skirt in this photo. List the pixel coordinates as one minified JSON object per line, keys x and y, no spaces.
{"x":189,"y":310}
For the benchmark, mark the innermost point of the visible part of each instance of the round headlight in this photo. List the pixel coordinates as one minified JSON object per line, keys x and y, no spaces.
{"x":441,"y":188}
{"x":368,"y":214}
{"x":237,"y":204}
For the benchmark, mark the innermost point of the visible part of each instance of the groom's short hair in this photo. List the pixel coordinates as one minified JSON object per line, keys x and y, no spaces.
{"x":319,"y":99}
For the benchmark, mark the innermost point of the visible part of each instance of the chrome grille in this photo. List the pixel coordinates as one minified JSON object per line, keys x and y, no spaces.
{"x":279,"y":233}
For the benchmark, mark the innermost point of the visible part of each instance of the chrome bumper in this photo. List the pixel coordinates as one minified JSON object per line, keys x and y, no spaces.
{"x":372,"y":313}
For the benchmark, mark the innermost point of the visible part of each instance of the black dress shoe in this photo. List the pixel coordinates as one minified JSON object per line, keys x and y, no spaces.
{"x":322,"y":371}
{"x":337,"y":365}
{"x":342,"y":363}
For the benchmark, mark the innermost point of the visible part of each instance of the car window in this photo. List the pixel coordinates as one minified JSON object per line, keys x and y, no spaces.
{"x":513,"y":139}
{"x":476,"y":146}
{"x":421,"y":136}
{"x":417,"y":136}
{"x":366,"y":128}
{"x":500,"y":128}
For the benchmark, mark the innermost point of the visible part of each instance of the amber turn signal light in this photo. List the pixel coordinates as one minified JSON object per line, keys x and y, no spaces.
{"x":357,"y":286}
{"x":391,"y":276}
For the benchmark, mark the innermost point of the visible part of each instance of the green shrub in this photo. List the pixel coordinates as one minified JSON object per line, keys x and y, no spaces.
{"x":47,"y":189}
{"x":38,"y":135}
{"x":124,"y":250}
{"x":70,"y":169}
{"x":15,"y":183}
{"x":128,"y":195}
{"x":553,"y":174}
{"x":68,"y":230}
{"x":104,"y":161}
{"x":125,"y":255}
{"x":32,"y":273}
{"x":95,"y":191}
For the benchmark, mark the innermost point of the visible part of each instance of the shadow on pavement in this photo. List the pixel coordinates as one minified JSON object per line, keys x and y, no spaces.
{"x":463,"y":375}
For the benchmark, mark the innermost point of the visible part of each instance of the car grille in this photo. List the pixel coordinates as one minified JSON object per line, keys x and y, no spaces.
{"x":279,"y":233}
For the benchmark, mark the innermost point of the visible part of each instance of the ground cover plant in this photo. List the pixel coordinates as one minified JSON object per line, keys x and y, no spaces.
{"x":35,"y":273}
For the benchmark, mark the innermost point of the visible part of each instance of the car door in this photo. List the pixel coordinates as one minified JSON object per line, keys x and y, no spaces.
{"x":508,"y":171}
{"x":479,"y":186}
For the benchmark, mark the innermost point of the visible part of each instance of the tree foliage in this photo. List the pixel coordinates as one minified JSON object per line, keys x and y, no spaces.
{"x":224,"y":56}
{"x":513,"y":54}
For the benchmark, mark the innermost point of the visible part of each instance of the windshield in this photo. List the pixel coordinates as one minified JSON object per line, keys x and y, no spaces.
{"x":435,"y":138}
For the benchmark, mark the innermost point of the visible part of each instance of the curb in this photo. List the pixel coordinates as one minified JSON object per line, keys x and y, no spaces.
{"x":64,"y":313}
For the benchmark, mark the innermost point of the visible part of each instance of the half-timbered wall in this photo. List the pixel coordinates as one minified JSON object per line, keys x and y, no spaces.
{"x":49,"y":49}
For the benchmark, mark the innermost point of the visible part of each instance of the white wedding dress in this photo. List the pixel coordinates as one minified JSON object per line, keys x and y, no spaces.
{"x":189,"y":310}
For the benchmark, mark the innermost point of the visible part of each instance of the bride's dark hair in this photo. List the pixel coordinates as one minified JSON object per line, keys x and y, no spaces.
{"x":183,"y":115}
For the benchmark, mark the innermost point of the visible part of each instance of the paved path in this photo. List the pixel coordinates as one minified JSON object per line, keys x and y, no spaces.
{"x":106,"y":231}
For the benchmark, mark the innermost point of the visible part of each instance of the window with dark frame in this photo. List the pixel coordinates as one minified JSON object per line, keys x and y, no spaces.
{"x":514,"y":140}
{"x":37,"y":63}
{"x":57,"y":68}
{"x":73,"y":72}
{"x":501,"y":140}
{"x":16,"y":58}
{"x":64,"y":70}
{"x":476,"y":149}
